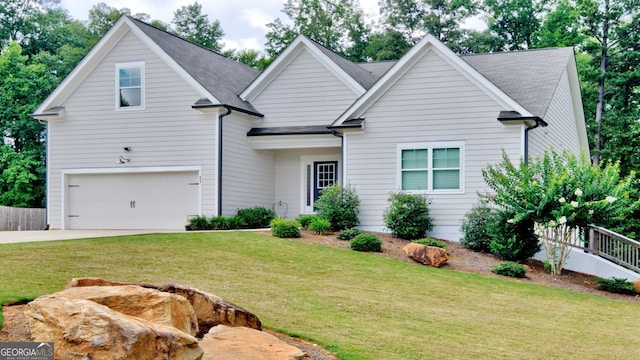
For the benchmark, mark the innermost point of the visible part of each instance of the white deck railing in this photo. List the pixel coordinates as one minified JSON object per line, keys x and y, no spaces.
{"x":614,"y":247}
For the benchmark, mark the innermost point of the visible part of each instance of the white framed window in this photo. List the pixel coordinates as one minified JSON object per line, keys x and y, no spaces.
{"x":435,"y":167}
{"x":130,"y":86}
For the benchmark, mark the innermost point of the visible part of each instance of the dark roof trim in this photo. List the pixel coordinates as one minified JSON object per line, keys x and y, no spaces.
{"x":515,"y":117}
{"x":349,"y":124}
{"x":206,"y":104}
{"x":290,"y":130}
{"x":53,"y":112}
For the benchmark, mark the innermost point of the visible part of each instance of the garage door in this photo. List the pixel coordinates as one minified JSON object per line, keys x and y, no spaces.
{"x":132,"y":201}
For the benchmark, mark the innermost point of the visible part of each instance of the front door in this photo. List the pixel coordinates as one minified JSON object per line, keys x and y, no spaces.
{"x":325,"y":175}
{"x":318,"y":175}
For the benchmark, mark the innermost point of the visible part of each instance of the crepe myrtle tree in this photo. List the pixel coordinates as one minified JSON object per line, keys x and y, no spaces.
{"x":561,"y":194}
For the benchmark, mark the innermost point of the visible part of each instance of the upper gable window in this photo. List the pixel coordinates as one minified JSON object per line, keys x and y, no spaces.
{"x":130,"y":86}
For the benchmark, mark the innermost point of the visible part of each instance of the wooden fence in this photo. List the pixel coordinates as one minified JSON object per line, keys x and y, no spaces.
{"x":614,"y":247}
{"x":12,"y":219}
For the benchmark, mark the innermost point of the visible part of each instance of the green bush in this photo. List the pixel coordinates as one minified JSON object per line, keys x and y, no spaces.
{"x":199,"y":223}
{"x":219,"y":223}
{"x":616,"y":285}
{"x":256,"y":217}
{"x":512,"y":242}
{"x":305,"y":220}
{"x":475,"y":226}
{"x":508,"y":268}
{"x":366,"y":242}
{"x":407,"y":215}
{"x":236,"y":222}
{"x":348,"y":234}
{"x":284,"y":228}
{"x":320,"y":226}
{"x":431,"y":242}
{"x":339,"y":205}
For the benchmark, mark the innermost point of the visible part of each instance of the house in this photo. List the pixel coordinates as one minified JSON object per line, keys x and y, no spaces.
{"x":150,"y":129}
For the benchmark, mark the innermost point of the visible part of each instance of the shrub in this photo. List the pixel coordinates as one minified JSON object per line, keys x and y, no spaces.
{"x":199,"y":223}
{"x":256,"y":217}
{"x":366,"y":242}
{"x":305,"y":220}
{"x":348,"y":234}
{"x":284,"y":228}
{"x":508,"y":268}
{"x":339,"y":205}
{"x":219,"y":223}
{"x":512,"y":242}
{"x":431,"y":242}
{"x":475,"y":226}
{"x":407,"y":215}
{"x":320,"y":226}
{"x":236,"y":222}
{"x":616,"y":285}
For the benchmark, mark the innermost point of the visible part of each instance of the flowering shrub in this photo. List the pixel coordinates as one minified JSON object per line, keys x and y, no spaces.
{"x":561,"y":193}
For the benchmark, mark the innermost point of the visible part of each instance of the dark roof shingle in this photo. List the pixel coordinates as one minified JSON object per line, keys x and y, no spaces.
{"x":222,"y":77}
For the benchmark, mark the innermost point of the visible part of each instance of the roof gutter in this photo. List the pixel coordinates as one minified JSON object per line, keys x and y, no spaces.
{"x":514,"y":117}
{"x":207,"y":105}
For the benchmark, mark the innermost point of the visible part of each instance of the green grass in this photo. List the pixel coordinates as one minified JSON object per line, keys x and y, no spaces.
{"x":358,"y":305}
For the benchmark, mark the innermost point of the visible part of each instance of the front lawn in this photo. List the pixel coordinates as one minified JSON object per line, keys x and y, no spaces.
{"x":359,"y":305}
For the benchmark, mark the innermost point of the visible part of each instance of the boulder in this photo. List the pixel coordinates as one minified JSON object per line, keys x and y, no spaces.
{"x":153,"y":305}
{"x":427,"y":255}
{"x":83,"y":329}
{"x":241,"y":343}
{"x":212,"y":310}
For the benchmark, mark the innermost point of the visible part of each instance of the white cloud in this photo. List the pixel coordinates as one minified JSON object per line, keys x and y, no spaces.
{"x":257,"y":18}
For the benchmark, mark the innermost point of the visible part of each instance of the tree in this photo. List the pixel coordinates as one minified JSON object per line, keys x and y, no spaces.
{"x":440,"y":18}
{"x":249,"y":57}
{"x":560,"y":27}
{"x":560,"y":193}
{"x":191,"y":24}
{"x":102,"y":17}
{"x":23,"y":86}
{"x":608,"y":23}
{"x":388,"y":45}
{"x":335,"y":24}
{"x":515,"y":21}
{"x":479,"y":42}
{"x":51,"y":30}
{"x":14,"y":14}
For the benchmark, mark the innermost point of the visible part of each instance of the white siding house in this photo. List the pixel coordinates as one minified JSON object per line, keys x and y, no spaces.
{"x":150,"y":129}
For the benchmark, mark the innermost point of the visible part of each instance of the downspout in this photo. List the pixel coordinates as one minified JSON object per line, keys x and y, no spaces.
{"x":220,"y":158}
{"x":526,"y":138}
{"x":341,"y":136}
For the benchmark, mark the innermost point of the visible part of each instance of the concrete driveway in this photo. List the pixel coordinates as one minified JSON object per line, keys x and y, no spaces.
{"x":8,"y":237}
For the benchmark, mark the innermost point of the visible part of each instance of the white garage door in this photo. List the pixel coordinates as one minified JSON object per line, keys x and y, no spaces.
{"x":132,"y":201}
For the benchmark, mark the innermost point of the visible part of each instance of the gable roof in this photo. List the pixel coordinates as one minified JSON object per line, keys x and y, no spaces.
{"x":352,"y":75}
{"x":217,"y":78}
{"x":358,"y":73}
{"x":523,"y":82}
{"x":529,"y":77}
{"x":391,"y":76}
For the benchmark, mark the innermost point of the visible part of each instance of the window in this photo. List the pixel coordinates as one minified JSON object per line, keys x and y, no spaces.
{"x":130,"y":86}
{"x":433,"y":167}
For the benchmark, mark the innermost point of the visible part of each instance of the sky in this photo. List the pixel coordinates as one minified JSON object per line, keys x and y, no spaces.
{"x":243,"y":21}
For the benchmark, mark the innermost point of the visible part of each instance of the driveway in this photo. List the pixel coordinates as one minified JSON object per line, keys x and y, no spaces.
{"x":8,"y":237}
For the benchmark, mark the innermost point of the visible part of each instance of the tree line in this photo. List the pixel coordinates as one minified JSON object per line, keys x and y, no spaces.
{"x":41,"y":44}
